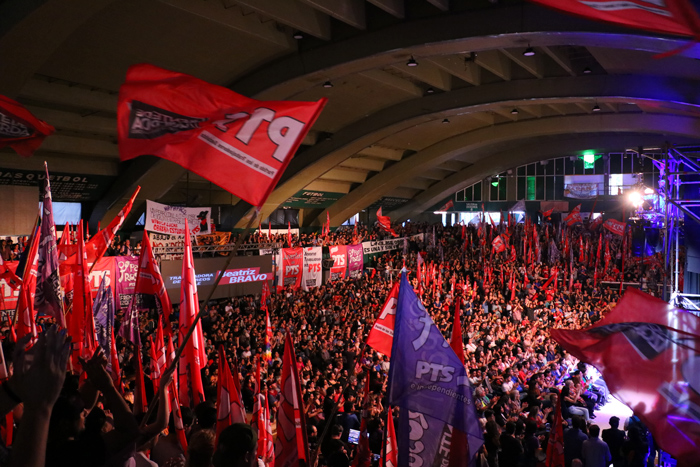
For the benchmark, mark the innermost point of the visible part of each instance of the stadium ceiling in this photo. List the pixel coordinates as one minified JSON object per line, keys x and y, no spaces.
{"x":389,"y":130}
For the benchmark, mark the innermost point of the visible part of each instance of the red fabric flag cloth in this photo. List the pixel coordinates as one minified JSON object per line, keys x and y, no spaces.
{"x":291,"y":447}
{"x":363,"y":457}
{"x":210,"y":130}
{"x":677,"y":17}
{"x":229,"y":406}
{"x":555,"y":445}
{"x":177,"y":417}
{"x":647,"y":353}
{"x":161,"y":350}
{"x":381,"y":336}
{"x":447,"y":206}
{"x":193,"y":357}
{"x":140,"y":401}
{"x":81,"y":325}
{"x":574,"y":216}
{"x":390,"y":451}
{"x":385,"y":223}
{"x":155,"y":369}
{"x":289,"y":235}
{"x":150,"y":282}
{"x":498,"y":244}
{"x":19,"y":129}
{"x":113,"y":365}
{"x":456,"y":340}
{"x":258,"y":419}
{"x":26,"y":313}
{"x":616,"y":227}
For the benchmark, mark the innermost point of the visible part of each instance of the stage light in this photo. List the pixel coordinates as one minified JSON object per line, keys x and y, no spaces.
{"x":596,"y":108}
{"x":411,"y":62}
{"x":446,"y":120}
{"x":529,"y":52}
{"x":298,"y":35}
{"x":430,"y":91}
{"x":514,"y":112}
{"x":586,"y":71}
{"x":649,"y":191}
{"x":635,"y":198}
{"x":327,"y":84}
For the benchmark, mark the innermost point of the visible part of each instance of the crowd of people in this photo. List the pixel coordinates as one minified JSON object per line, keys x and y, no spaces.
{"x":508,"y":303}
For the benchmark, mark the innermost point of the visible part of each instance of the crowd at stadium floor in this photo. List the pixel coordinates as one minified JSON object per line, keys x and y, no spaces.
{"x":517,"y":371}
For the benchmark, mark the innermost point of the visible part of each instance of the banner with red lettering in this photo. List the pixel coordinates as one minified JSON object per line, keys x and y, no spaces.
{"x":165,"y":219}
{"x":648,"y":355}
{"x":676,"y":17}
{"x":614,"y":226}
{"x":340,"y":263}
{"x":211,"y":130}
{"x":312,"y":276}
{"x":290,"y":265}
{"x":355,"y":261}
{"x":19,"y":129}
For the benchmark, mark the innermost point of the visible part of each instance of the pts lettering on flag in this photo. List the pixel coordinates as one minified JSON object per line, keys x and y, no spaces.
{"x":291,"y":270}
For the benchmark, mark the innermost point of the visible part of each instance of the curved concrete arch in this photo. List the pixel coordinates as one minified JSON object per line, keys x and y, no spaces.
{"x":322,"y":157}
{"x":30,"y":34}
{"x":500,"y":160}
{"x":472,"y":143}
{"x":470,"y":31}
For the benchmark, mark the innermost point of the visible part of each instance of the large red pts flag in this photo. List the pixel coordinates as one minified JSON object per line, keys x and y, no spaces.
{"x":229,"y":406}
{"x":381,"y":337}
{"x":19,"y":129}
{"x":648,"y":353}
{"x":666,"y":16}
{"x":616,"y":227}
{"x":240,"y":144}
{"x":150,"y":282}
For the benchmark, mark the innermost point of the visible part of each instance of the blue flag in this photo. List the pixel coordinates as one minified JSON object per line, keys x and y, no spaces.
{"x":430,"y":384}
{"x":103,"y":312}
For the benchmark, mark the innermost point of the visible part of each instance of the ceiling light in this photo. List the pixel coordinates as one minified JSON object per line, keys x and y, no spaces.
{"x":327,"y":84}
{"x":411,"y":62}
{"x":297,"y":35}
{"x":586,"y":71}
{"x":529,"y":52}
{"x":446,"y":120}
{"x":514,"y":112}
{"x":596,"y":108}
{"x":430,"y":90}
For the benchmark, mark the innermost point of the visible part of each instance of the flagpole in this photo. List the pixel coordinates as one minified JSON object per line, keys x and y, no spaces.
{"x":190,"y":331}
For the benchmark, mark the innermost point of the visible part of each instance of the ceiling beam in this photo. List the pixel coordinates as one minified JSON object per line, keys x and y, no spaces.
{"x":393,"y":7}
{"x":556,"y":54}
{"x":495,"y":62}
{"x":74,"y":122}
{"x":350,"y":12}
{"x":443,"y":5}
{"x":83,"y":146}
{"x":459,"y":67}
{"x":363,"y":163}
{"x":61,"y":93}
{"x":533,"y":65}
{"x":393,"y":81}
{"x":294,"y":14}
{"x":427,"y":74}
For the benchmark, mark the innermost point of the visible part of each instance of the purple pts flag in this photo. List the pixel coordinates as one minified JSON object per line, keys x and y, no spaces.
{"x":355,"y":262}
{"x":430,"y":384}
{"x":49,"y":295}
{"x":130,"y":325}
{"x":103,"y":313}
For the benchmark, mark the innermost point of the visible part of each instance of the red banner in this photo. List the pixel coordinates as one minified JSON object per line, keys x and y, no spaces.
{"x":574,"y":216}
{"x":340,"y":257}
{"x":211,"y":130}
{"x":19,"y":129}
{"x":647,"y":353}
{"x":381,"y":336}
{"x":615,"y":227}
{"x":498,"y":244}
{"x":291,"y":267}
{"x":666,"y":16}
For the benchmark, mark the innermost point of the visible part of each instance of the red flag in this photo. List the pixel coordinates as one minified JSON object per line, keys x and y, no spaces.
{"x":115,"y":371}
{"x":456,"y":341}
{"x":547,"y":213}
{"x":291,"y":447}
{"x":447,"y":206}
{"x":25,"y":304}
{"x":363,"y":457}
{"x":161,"y":350}
{"x":574,"y":216}
{"x":81,"y":326}
{"x":555,"y":445}
{"x":385,"y":223}
{"x":390,"y":454}
{"x":381,"y":336}
{"x":8,"y":275}
{"x":258,"y":420}
{"x":177,"y":417}
{"x":176,"y":116}
{"x":616,"y":227}
{"x":675,"y":17}
{"x":595,"y":223}
{"x":19,"y":129}
{"x":268,"y":336}
{"x":289,"y":234}
{"x":551,"y":278}
{"x":150,"y":282}
{"x":193,"y":358}
{"x":155,"y":369}
{"x":498,"y":244}
{"x":140,"y":401}
{"x":647,"y":353}
{"x":229,"y":406}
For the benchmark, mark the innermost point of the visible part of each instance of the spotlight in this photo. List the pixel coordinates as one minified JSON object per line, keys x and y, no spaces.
{"x":514,"y":112}
{"x":411,"y":62}
{"x":648,"y":191}
{"x":635,"y":198}
{"x":596,"y":108}
{"x":327,"y":84}
{"x":529,"y":52}
{"x":430,"y":91}
{"x":586,"y":71}
{"x":446,"y":120}
{"x":298,"y":35}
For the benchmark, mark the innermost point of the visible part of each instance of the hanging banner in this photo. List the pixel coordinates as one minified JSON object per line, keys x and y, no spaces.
{"x":290,"y":264}
{"x":164,"y":219}
{"x":380,"y":246}
{"x":312,"y":277}
{"x":340,"y":262}
{"x":125,"y":268}
{"x":355,"y":263}
{"x":581,"y":190}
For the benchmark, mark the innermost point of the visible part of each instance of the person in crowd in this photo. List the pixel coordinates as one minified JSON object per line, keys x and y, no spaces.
{"x":614,"y":438}
{"x":595,"y":452}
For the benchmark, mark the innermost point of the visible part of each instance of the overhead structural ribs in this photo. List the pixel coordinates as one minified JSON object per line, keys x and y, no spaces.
{"x":324,"y":156}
